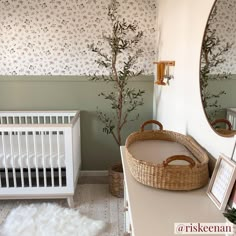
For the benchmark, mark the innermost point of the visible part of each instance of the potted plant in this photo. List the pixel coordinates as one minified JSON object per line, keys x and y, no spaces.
{"x":119,"y":58}
{"x":230,"y":216}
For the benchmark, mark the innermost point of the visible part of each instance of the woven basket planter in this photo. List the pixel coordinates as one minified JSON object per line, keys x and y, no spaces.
{"x":166,"y":175}
{"x":116,"y":180}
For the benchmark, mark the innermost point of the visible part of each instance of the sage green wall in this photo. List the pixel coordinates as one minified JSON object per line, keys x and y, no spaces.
{"x":99,"y":150}
{"x":229,"y":86}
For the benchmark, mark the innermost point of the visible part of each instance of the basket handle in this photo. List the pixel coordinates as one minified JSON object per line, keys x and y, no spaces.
{"x":227,"y":122}
{"x":151,"y":122}
{"x":179,"y":157}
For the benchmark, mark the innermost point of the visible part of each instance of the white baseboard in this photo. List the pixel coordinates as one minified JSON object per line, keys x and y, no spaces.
{"x":93,"y":173}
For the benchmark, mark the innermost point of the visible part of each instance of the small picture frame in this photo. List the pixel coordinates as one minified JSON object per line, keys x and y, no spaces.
{"x":222,"y":181}
{"x":232,"y":199}
{"x":234,"y":153}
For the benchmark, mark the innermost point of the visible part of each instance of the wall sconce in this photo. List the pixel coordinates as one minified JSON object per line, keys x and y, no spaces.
{"x":163,"y":72}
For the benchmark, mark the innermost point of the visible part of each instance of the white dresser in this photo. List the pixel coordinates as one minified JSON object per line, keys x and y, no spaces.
{"x":153,"y":212}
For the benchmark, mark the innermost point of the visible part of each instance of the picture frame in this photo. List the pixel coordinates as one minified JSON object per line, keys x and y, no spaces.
{"x":222,"y":181}
{"x":232,"y":199}
{"x":233,"y":157}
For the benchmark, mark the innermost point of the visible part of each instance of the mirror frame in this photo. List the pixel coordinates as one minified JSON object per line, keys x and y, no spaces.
{"x":215,"y":131}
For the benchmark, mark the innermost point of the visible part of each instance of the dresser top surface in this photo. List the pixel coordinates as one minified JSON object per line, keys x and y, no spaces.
{"x":155,"y":211}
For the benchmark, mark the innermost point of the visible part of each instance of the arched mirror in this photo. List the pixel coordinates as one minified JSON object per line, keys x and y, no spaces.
{"x":218,"y":68}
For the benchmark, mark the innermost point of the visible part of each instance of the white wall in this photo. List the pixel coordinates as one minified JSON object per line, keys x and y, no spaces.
{"x":181,"y":25}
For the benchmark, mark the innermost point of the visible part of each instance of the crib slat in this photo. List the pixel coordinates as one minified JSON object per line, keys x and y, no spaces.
{"x":20,"y":158}
{"x":28,"y":161}
{"x":13,"y":160}
{"x":5,"y":159}
{"x":50,"y":156}
{"x":58,"y":158}
{"x":43,"y":158}
{"x":0,"y":172}
{"x":36,"y":159}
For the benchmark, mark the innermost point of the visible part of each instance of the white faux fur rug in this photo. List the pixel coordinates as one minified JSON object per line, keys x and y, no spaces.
{"x":48,"y":219}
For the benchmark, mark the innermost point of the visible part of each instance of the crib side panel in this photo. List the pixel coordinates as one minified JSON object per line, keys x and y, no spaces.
{"x":231,"y":116}
{"x":37,"y":152}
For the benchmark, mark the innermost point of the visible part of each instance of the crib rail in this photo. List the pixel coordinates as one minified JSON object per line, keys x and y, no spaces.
{"x":57,"y":118}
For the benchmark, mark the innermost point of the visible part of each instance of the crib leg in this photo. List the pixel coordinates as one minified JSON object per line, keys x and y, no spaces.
{"x":70,"y":201}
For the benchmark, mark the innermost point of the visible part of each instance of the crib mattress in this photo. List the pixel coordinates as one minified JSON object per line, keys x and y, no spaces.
{"x":27,"y":152}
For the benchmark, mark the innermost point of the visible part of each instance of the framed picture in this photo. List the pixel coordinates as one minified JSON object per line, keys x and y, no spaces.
{"x":222,"y":181}
{"x":234,"y":154}
{"x":232,"y":198}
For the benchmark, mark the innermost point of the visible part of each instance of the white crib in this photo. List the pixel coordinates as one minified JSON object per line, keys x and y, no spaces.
{"x":39,"y":154}
{"x":231,"y":116}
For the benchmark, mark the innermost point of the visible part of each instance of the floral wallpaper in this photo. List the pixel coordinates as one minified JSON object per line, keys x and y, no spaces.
{"x":225,"y":26}
{"x":50,"y":37}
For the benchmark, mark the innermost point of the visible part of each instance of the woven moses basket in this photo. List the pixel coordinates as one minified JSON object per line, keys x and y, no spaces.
{"x":167,"y":175}
{"x":228,"y":131}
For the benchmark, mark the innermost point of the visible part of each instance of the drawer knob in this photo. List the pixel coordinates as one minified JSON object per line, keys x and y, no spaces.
{"x":127,"y":234}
